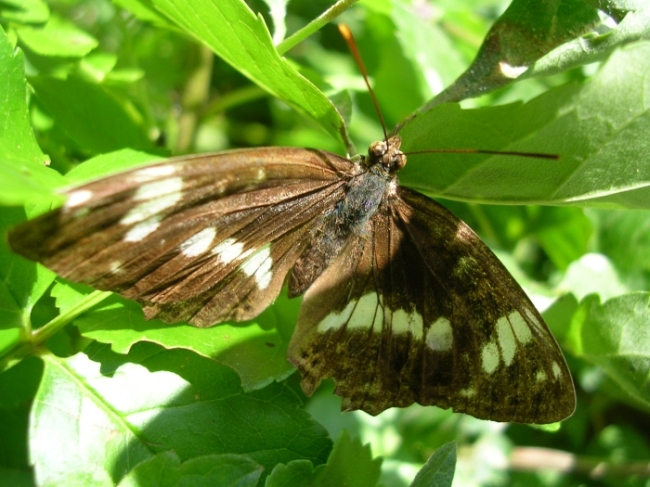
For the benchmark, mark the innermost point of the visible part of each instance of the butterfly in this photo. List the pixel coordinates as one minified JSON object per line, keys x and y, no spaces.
{"x":403,"y":302}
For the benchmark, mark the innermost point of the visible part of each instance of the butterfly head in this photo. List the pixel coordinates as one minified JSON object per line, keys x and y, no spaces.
{"x":386,"y":153}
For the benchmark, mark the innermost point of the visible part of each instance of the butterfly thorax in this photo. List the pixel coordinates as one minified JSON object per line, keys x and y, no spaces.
{"x":363,"y":195}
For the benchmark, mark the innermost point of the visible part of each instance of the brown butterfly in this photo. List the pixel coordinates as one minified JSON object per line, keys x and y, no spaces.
{"x":402,"y":301}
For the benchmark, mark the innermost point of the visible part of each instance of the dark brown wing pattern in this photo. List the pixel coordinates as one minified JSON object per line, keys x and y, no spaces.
{"x":200,"y":239}
{"x":418,"y":309}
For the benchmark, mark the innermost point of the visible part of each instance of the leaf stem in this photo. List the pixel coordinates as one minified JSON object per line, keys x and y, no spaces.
{"x":527,"y":459}
{"x":330,"y":14}
{"x":37,"y":338}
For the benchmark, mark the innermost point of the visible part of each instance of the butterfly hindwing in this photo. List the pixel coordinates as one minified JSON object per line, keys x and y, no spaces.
{"x":418,"y":309}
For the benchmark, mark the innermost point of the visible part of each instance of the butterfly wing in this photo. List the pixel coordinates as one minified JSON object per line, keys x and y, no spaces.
{"x":418,"y":309}
{"x":201,"y":239}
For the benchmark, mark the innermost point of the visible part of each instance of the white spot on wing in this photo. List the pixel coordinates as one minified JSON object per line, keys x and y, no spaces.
{"x":158,"y":188}
{"x":199,"y":243}
{"x":142,"y":230}
{"x":259,"y":266}
{"x":490,"y":357}
{"x":520,"y":327}
{"x":148,"y":173}
{"x":157,"y":197}
{"x":469,"y":392}
{"x":534,"y":320}
{"x":506,"y":340}
{"x":228,"y":250}
{"x":403,"y":322}
{"x":540,"y":376}
{"x":365,"y":312}
{"x":557,"y":371}
{"x":336,"y":320}
{"x":78,"y":197}
{"x":440,"y":337}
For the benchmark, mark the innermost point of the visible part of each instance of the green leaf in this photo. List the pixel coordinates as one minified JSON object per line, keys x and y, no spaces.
{"x":58,"y":37}
{"x":624,"y":236}
{"x":18,"y":386}
{"x":257,"y":351}
{"x":601,"y":144}
{"x":439,"y":469}
{"x":524,"y":33}
{"x":592,"y":274}
{"x":614,"y":335}
{"x":350,"y":464}
{"x":19,"y":152}
{"x":106,"y":164}
{"x":267,"y":425}
{"x":244,"y":42}
{"x":298,"y":472}
{"x":24,"y":11}
{"x":114,"y":415}
{"x":166,"y":470}
{"x":88,"y":413}
{"x":635,"y":26}
{"x":91,"y":115}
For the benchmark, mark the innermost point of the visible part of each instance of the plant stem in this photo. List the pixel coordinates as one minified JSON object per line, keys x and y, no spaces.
{"x":330,"y":14}
{"x":528,"y":459}
{"x":36,"y":339}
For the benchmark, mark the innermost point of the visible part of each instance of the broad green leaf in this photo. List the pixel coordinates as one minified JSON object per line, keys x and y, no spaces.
{"x":592,"y":274}
{"x":524,"y":33}
{"x":257,"y":350}
{"x":26,"y":183}
{"x":242,"y":39}
{"x":635,"y":26}
{"x":58,"y":37}
{"x":267,"y":425}
{"x":24,"y":11}
{"x":614,"y":335}
{"x":350,"y":464}
{"x":88,"y":413}
{"x":166,"y":470}
{"x":296,"y":473}
{"x":17,"y":143}
{"x":106,"y":164}
{"x":624,"y":236}
{"x":439,"y":469}
{"x":114,"y":415}
{"x":18,"y":386}
{"x":91,"y":115}
{"x":598,"y":129}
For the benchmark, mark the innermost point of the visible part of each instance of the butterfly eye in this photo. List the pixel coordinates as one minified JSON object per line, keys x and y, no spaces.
{"x":397,"y":162}
{"x":377,"y":149}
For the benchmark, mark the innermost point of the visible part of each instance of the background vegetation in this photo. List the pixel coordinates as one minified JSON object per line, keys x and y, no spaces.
{"x":91,"y":394}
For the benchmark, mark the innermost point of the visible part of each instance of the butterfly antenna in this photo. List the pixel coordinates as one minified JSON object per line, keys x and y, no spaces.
{"x":352,"y":45}
{"x":536,"y":155}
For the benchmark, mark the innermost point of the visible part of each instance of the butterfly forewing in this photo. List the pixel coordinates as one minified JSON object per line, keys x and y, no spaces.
{"x":200,"y":239}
